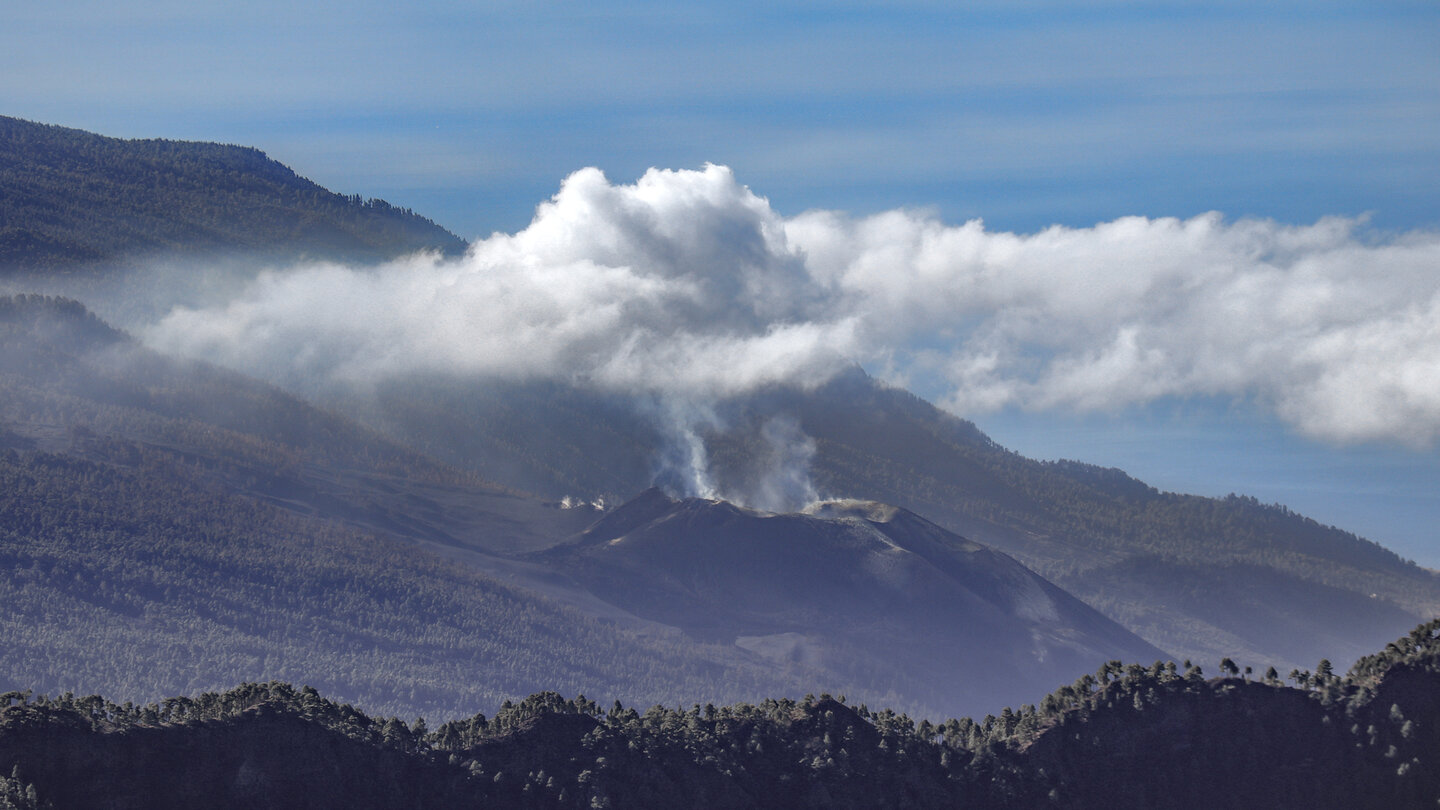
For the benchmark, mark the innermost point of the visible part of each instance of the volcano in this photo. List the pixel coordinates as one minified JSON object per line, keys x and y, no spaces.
{"x":857,"y":591}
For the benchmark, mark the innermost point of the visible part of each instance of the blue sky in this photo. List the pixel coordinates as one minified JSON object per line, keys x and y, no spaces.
{"x":1025,"y":114}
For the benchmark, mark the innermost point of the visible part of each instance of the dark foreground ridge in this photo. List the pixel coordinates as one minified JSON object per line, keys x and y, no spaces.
{"x":1125,"y":737}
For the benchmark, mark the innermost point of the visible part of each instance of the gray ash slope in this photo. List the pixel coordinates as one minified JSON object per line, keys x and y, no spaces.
{"x":867,"y":593}
{"x":1201,"y":577}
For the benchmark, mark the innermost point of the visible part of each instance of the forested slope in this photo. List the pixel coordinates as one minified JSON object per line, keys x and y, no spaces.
{"x":1126,"y":737}
{"x":74,"y":199}
{"x":167,"y":527}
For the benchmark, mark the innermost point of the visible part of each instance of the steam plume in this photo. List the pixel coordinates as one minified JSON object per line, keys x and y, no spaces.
{"x":784,"y":484}
{"x":683,"y":465}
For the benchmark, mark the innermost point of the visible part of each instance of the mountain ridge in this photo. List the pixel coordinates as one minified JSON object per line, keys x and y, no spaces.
{"x":77,"y":199}
{"x":155,"y":542}
{"x":1201,"y":577}
{"x":1079,"y":525}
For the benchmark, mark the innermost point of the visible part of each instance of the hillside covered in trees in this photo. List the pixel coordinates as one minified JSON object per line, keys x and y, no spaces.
{"x":168,"y":526}
{"x":1126,"y":737}
{"x":73,"y":199}
{"x":171,"y":526}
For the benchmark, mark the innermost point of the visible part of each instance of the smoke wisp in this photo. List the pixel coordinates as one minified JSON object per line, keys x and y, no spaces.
{"x":682,"y":466}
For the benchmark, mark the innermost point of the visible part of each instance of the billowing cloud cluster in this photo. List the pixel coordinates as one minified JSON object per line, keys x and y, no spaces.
{"x":687,"y":284}
{"x":683,"y":282}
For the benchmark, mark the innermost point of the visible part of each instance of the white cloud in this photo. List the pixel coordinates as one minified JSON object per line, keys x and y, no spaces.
{"x":680,"y":283}
{"x":688,"y":284}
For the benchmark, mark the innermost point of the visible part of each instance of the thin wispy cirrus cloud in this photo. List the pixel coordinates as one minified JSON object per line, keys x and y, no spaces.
{"x":689,"y":284}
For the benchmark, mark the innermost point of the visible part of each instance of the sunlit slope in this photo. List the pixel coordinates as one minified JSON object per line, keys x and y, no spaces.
{"x":72,"y":198}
